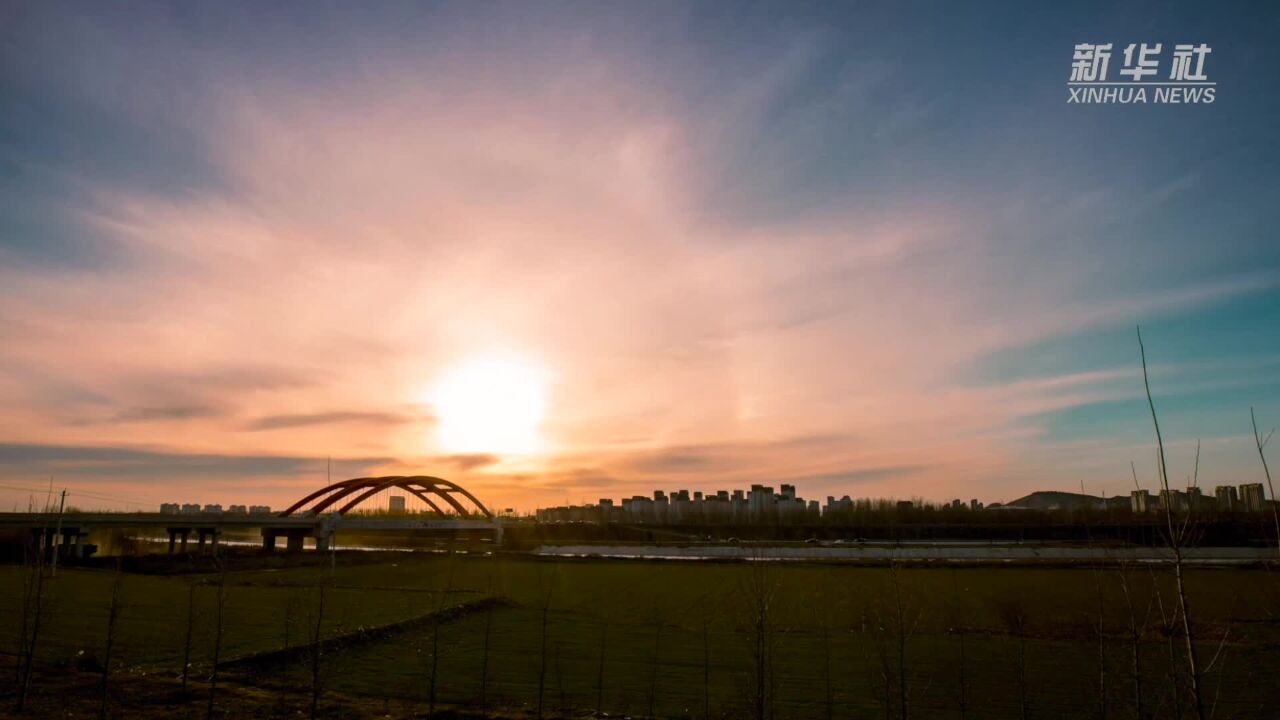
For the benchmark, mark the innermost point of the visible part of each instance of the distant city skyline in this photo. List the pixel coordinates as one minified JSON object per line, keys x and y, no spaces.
{"x":558,"y":252}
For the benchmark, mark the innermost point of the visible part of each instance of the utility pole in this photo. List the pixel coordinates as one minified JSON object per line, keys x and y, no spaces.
{"x":57,"y":534}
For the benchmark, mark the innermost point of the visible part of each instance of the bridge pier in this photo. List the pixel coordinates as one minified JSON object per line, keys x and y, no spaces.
{"x":212,"y":533}
{"x":295,"y":538}
{"x":72,"y":544}
{"x":175,"y":533}
{"x":324,"y":532}
{"x":77,"y":548}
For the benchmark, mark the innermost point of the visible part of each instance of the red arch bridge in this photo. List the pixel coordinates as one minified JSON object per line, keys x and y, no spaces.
{"x":452,"y":510}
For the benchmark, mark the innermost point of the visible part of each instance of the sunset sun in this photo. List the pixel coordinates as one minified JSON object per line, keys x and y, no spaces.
{"x":490,"y":405}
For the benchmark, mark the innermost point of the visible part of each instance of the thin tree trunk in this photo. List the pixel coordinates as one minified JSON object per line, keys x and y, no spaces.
{"x":604,"y":638}
{"x":484,"y":662}
{"x":316,"y":635}
{"x":1175,"y":542}
{"x":653,"y":667}
{"x":28,"y":591}
{"x":964,"y":679}
{"x":826,"y":667}
{"x":1014,"y":614}
{"x":1261,"y":444}
{"x":761,"y":649}
{"x":1022,"y":675}
{"x":901,"y":632}
{"x":435,"y":663}
{"x":1167,"y":625}
{"x":217,"y":641}
{"x":29,"y":573}
{"x":1135,"y":644}
{"x":186,"y":645}
{"x":435,"y":635}
{"x":25,"y":686}
{"x":112,"y":614}
{"x":1102,"y":654}
{"x":290,"y":607}
{"x":542,"y":650}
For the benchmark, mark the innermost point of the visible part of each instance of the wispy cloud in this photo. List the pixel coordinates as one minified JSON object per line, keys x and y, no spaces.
{"x":278,"y":422}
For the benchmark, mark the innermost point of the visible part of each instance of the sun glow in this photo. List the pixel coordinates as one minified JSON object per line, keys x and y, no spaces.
{"x":490,"y":405}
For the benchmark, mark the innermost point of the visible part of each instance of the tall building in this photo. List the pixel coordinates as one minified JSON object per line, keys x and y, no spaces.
{"x":1228,"y":499}
{"x":1140,"y":501}
{"x":1174,"y":500}
{"x":396,"y":503}
{"x":1194,"y":498}
{"x":1252,"y":497}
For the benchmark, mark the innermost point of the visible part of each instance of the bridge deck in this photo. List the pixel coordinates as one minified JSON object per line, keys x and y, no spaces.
{"x":228,"y":521}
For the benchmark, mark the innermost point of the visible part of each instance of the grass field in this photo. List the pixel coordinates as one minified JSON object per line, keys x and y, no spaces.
{"x":683,"y":639}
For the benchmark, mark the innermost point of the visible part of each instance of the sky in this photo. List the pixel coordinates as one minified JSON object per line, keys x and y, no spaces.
{"x":563,"y":251}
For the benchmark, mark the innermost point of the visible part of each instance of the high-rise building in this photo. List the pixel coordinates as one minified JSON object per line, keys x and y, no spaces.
{"x":1195,"y":498}
{"x":1140,"y":501}
{"x":396,"y":503}
{"x":1228,"y":499}
{"x":1174,"y":500}
{"x":1253,"y":497}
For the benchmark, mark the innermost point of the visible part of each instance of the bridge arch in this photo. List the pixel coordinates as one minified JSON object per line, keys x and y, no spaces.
{"x":345,"y":495}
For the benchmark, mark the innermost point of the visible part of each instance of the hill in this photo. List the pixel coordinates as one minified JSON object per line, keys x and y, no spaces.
{"x":1057,"y":500}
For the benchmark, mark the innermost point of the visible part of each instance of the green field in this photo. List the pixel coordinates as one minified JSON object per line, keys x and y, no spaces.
{"x":681,"y":639}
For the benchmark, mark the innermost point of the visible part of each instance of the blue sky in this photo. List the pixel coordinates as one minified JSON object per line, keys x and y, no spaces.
{"x":870,"y":246}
